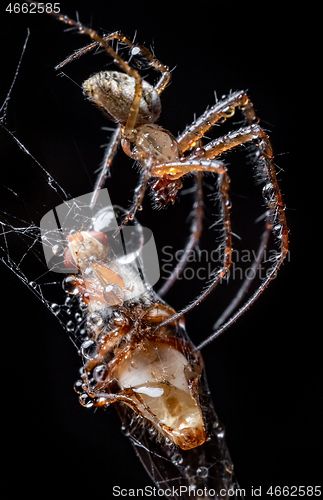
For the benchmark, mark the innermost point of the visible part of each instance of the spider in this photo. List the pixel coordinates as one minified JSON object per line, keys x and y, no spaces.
{"x":166,"y":160}
{"x":135,"y":106}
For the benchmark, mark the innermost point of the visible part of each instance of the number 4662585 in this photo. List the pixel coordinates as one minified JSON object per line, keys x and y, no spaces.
{"x":33,"y":8}
{"x":294,"y":491}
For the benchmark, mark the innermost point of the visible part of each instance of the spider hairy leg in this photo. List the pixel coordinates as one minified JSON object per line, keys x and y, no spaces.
{"x":155,"y":63}
{"x":196,"y":230}
{"x":109,"y":155}
{"x":138,"y":197}
{"x":229,"y":141}
{"x":223,"y":188}
{"x":275,"y":219}
{"x":218,"y":113}
{"x":175,"y":170}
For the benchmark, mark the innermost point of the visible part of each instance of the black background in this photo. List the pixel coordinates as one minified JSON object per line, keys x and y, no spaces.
{"x":263,"y":372}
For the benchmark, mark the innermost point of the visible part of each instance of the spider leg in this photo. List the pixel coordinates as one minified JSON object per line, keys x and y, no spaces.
{"x":275,"y":219}
{"x":107,"y":160}
{"x":218,"y":113}
{"x":82,"y":51}
{"x":138,"y":196}
{"x":157,"y":65}
{"x":223,"y":188}
{"x":176,"y":169}
{"x":229,"y":141}
{"x":196,"y":230}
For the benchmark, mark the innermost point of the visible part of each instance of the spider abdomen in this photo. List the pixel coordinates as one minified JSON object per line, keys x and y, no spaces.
{"x":114,"y":92}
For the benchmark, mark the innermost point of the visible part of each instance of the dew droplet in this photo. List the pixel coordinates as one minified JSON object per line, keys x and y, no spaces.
{"x":177,"y":459}
{"x":99,"y":373}
{"x":69,"y":285}
{"x":58,"y":250}
{"x":83,"y":332}
{"x":125,"y":431}
{"x":70,"y":326}
{"x":78,"y":317}
{"x":95,"y":319}
{"x":32,"y":284}
{"x":101,"y":401}
{"x":55,"y":308}
{"x":202,"y":472}
{"x":88,"y":349}
{"x":78,"y":387}
{"x":267,"y":189}
{"x":86,"y":401}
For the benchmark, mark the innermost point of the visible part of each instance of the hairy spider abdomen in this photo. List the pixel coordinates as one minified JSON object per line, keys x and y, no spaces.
{"x":114,"y":92}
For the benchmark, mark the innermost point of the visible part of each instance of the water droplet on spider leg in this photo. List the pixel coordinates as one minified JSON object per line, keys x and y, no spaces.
{"x":88,"y":349}
{"x":267,"y":190}
{"x":55,"y":308}
{"x":202,"y":472}
{"x":85,"y":400}
{"x":135,"y":51}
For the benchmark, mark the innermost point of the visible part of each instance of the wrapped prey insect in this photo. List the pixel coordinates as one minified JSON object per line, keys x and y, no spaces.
{"x":154,"y":376}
